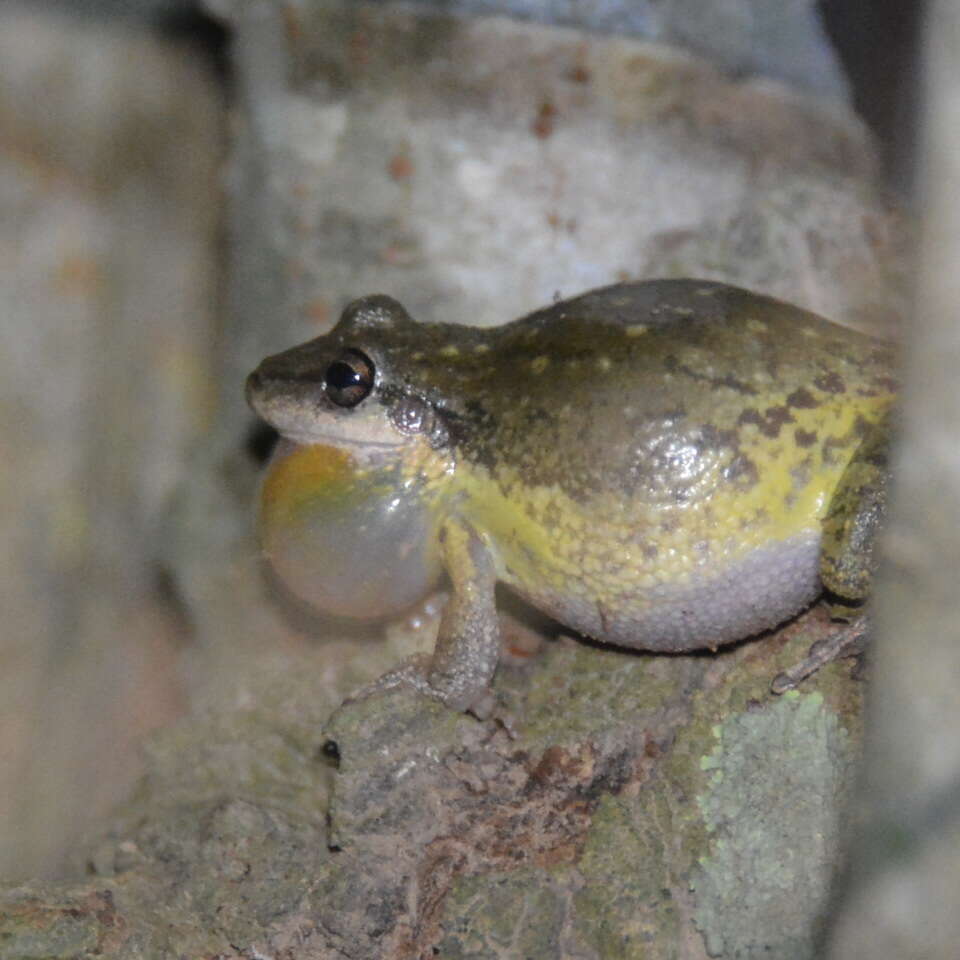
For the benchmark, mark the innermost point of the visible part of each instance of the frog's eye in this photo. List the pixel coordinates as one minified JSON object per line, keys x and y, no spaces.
{"x":349,"y":378}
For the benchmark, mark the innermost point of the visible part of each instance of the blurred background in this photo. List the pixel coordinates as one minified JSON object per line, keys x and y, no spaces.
{"x":154,"y":166}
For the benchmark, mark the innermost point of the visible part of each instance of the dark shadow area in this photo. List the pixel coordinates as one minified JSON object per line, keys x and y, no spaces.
{"x":184,"y":22}
{"x":260,"y":441}
{"x":878,"y":42}
{"x":207,"y":38}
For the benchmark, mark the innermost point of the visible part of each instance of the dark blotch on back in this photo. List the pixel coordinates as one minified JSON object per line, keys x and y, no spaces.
{"x":805,"y":438}
{"x":729,"y":380}
{"x":802,"y":399}
{"x":890,"y":384}
{"x":472,"y":427}
{"x":750,"y":415}
{"x":830,"y":383}
{"x":734,"y":384}
{"x":743,"y":472}
{"x":770,"y":422}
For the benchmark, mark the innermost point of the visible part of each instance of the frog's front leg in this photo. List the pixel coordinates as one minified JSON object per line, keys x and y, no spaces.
{"x":849,"y":554}
{"x":468,"y":643}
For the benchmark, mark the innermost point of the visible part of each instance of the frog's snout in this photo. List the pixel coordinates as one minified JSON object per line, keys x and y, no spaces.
{"x":253,"y":387}
{"x":269,"y":381}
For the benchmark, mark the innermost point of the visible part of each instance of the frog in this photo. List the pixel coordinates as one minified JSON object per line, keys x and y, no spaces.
{"x":669,"y":466}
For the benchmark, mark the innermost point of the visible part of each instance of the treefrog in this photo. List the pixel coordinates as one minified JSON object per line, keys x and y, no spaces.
{"x":669,"y":465}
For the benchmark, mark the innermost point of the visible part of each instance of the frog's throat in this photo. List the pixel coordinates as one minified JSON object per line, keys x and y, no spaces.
{"x":297,"y":475}
{"x":359,"y":449}
{"x":303,"y":479}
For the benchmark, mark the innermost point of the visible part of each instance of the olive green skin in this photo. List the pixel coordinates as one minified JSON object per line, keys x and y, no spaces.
{"x":656,"y":464}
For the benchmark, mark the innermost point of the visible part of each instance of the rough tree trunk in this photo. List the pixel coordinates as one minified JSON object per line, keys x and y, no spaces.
{"x":649,"y":806}
{"x":107,"y":292}
{"x":901,"y":893}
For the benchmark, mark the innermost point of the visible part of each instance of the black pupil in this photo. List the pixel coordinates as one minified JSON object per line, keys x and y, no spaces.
{"x":341,"y":376}
{"x":349,"y":379}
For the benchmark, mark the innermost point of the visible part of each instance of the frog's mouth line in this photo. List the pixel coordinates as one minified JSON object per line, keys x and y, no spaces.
{"x":315,"y":438}
{"x":361,"y":431}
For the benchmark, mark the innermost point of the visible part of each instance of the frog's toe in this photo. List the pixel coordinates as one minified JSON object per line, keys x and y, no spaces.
{"x":849,"y":641}
{"x":411,"y":672}
{"x":488,"y":708}
{"x":416,"y":673}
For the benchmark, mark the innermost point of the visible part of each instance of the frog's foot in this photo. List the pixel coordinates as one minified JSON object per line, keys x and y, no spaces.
{"x":411,"y":672}
{"x":849,"y":641}
{"x":417,"y":673}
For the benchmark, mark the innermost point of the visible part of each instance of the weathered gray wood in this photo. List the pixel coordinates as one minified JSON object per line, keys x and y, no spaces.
{"x":654,"y":806}
{"x":901,"y":897}
{"x":107,"y":227}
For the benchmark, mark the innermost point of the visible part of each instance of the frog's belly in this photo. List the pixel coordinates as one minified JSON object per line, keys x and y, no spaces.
{"x":717,"y":604}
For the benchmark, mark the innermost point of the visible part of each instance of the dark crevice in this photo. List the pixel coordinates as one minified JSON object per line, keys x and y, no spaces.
{"x":259,"y":442}
{"x":878,"y":43}
{"x":188,"y":25}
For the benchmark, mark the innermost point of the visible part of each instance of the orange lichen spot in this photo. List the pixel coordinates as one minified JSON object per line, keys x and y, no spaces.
{"x":556,"y":222}
{"x":295,"y":268}
{"x":399,"y":255}
{"x":318,"y":312}
{"x":400,"y":167}
{"x":545,"y":120}
{"x":359,"y":47}
{"x":79,"y":275}
{"x":292,"y":26}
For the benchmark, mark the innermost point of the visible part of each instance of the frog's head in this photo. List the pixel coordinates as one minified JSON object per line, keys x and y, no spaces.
{"x":353,"y":387}
{"x":347,"y":520}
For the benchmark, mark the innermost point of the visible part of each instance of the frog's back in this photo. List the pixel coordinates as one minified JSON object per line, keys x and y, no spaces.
{"x":615,"y":375}
{"x":662,"y":479}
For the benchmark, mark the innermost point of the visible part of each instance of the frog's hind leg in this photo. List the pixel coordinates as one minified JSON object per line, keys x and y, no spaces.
{"x":849,"y":640}
{"x":849,"y":554}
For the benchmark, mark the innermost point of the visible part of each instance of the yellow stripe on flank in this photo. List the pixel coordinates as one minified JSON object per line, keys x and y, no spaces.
{"x":547,"y":540}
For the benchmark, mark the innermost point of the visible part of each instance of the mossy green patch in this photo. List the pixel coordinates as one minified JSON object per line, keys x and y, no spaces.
{"x":50,"y":935}
{"x":625,"y":909}
{"x":385,"y":743}
{"x":579,"y":691}
{"x":776,"y":780}
{"x":502,"y":915}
